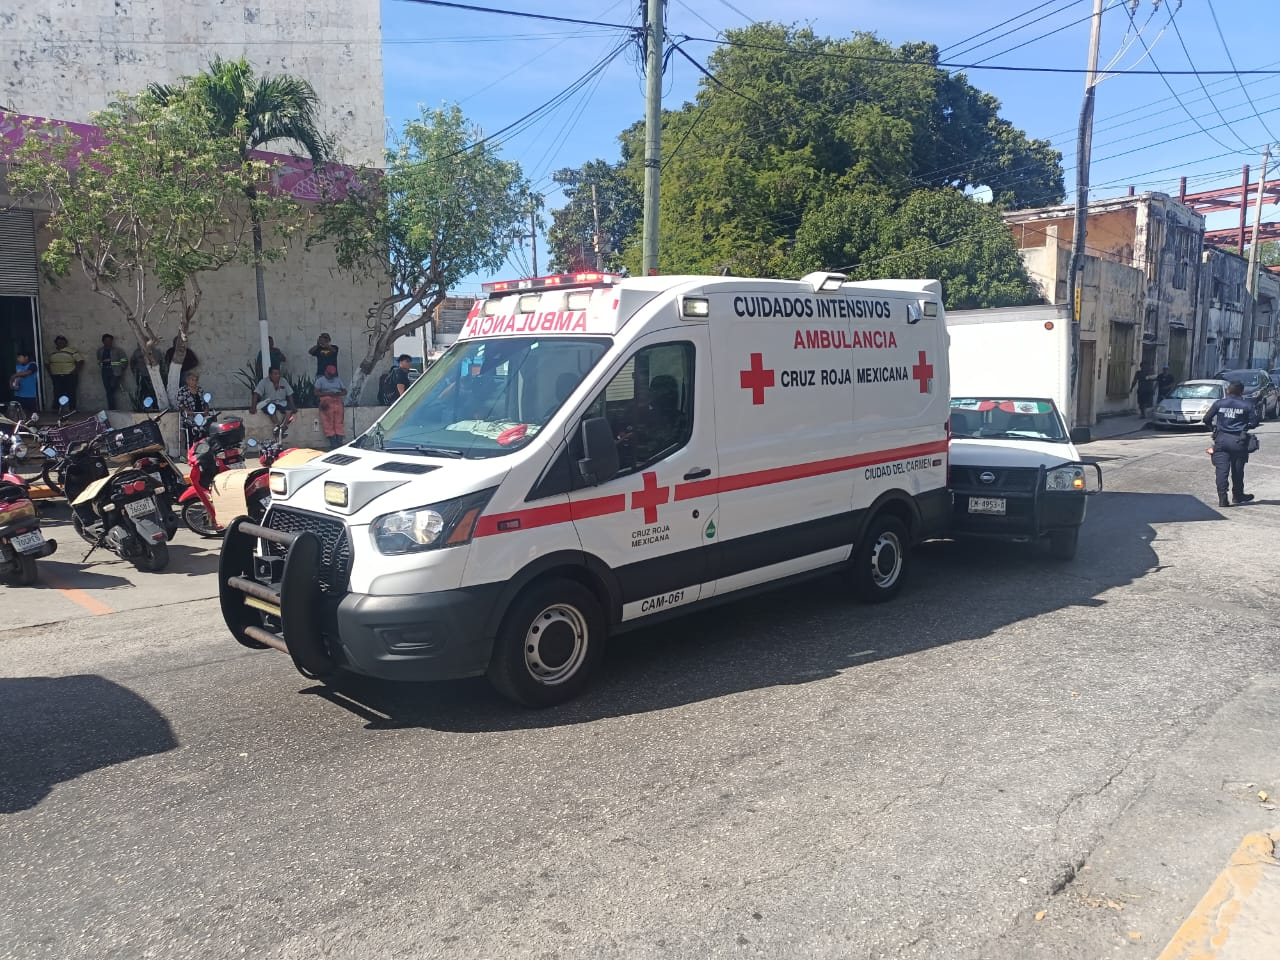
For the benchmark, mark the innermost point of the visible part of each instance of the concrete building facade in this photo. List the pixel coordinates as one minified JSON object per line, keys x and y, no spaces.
{"x":1229,"y":312}
{"x":1139,"y":290}
{"x":74,"y":55}
{"x":70,"y":58}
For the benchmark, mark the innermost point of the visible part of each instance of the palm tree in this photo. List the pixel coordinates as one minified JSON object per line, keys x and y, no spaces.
{"x":259,"y":111}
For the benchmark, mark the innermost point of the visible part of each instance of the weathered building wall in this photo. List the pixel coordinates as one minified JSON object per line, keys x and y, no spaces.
{"x":1140,"y":288}
{"x":305,"y":297}
{"x":74,"y":56}
{"x":1222,"y":305}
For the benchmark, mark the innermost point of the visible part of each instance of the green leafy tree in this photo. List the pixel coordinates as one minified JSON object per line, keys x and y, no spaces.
{"x":942,"y":234}
{"x":147,"y":208}
{"x":798,"y":150}
{"x":254,"y":111}
{"x":596,"y":192}
{"x":447,"y":206}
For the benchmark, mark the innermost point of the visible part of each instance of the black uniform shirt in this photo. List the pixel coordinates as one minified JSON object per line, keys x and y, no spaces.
{"x":1232,"y":415}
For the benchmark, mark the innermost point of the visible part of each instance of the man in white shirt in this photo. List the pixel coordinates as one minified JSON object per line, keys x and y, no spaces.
{"x":273,"y":389}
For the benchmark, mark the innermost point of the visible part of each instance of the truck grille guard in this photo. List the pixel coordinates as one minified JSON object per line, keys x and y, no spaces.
{"x":1035,"y":495}
{"x":293,"y":601}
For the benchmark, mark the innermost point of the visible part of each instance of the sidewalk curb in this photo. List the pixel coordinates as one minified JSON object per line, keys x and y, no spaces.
{"x":1238,"y":918}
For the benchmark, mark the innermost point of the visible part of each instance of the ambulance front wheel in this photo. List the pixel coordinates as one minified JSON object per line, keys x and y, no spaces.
{"x":880,"y":560}
{"x":550,"y":642}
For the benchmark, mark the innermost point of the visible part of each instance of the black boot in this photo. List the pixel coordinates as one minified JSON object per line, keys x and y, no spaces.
{"x":1223,"y":501}
{"x":1244,"y":498}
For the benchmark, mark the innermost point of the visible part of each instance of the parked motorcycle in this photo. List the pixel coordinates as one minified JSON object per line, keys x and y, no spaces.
{"x":257,"y":490}
{"x":56,"y":441}
{"x":22,"y":542}
{"x":215,"y":449}
{"x":148,"y":455}
{"x":122,"y":509}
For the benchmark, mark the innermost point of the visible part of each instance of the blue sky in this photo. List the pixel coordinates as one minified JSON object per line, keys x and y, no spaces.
{"x":499,"y":68}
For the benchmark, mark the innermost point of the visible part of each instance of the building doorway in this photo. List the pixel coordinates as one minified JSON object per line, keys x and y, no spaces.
{"x":1085,"y":380}
{"x":1178,"y":353}
{"x":19,"y":329}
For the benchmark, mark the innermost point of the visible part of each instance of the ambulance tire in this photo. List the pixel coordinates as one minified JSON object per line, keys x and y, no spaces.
{"x":549,"y":644}
{"x":881,"y":560}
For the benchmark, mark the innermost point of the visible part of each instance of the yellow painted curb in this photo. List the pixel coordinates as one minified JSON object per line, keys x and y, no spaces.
{"x":1232,"y":920}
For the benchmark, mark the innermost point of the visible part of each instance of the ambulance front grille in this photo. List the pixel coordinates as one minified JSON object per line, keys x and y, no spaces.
{"x":335,"y":554}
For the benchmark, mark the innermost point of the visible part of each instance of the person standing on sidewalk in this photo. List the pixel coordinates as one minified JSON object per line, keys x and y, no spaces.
{"x":64,"y":370}
{"x":1145,"y":384}
{"x":1232,"y":418}
{"x":1164,"y":383}
{"x":25,"y":381}
{"x":329,"y":393}
{"x":111,"y":361}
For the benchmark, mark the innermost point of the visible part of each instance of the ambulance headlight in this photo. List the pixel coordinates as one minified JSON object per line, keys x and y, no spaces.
{"x":278,"y":483}
{"x":1065,"y":479}
{"x":448,"y":524}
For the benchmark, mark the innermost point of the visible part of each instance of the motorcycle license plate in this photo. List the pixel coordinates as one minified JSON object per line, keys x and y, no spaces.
{"x":140,"y":508}
{"x":992,"y":505}
{"x":27,"y":542}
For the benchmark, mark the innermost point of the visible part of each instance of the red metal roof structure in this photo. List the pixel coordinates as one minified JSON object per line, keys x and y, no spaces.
{"x":1241,"y":197}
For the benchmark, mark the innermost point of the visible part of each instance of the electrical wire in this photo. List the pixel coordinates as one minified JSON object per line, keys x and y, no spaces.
{"x":1003,"y":23}
{"x":1187,"y":54}
{"x":1231,"y":60}
{"x":1025,"y":43}
{"x":519,"y":13}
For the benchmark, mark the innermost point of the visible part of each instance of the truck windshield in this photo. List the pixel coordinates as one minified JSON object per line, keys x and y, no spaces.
{"x":485,"y":398}
{"x":978,"y":418}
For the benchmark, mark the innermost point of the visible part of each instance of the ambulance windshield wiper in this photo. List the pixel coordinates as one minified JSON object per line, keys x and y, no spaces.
{"x":426,"y":451}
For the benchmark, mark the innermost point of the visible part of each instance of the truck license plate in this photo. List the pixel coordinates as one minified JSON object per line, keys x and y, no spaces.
{"x":993,"y":505}
{"x":26,"y":542}
{"x":140,"y":508}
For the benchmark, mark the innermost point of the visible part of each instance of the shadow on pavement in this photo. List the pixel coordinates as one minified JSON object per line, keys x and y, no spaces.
{"x":958,"y":591}
{"x":57,"y":728}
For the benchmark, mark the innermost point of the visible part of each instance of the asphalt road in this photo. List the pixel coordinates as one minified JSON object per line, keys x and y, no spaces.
{"x":791,"y":776}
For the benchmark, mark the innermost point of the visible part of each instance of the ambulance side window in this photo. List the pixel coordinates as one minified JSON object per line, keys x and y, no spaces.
{"x":649,"y":405}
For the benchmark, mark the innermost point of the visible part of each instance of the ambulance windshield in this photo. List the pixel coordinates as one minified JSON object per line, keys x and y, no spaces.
{"x":983,"y":418}
{"x":485,"y":398}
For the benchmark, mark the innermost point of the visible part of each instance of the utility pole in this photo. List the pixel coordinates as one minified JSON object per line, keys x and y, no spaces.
{"x":653,"y":130}
{"x":533,"y":235}
{"x":1084,"y":146}
{"x":1251,"y":281}
{"x":595,"y":218}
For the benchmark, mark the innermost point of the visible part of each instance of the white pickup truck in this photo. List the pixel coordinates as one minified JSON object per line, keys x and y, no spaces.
{"x":1014,"y":471}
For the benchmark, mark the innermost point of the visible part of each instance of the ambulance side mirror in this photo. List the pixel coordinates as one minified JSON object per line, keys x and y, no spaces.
{"x":599,"y":452}
{"x":1081,"y":435}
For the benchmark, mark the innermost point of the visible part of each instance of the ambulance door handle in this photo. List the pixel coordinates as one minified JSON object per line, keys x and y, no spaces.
{"x":698,"y":474}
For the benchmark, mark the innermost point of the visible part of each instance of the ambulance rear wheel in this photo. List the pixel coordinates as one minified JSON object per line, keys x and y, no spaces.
{"x":880,"y":560}
{"x":549,"y":644}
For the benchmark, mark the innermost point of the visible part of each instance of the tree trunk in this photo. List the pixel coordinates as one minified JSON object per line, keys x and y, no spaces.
{"x":175,"y":370}
{"x":260,"y":282}
{"x":381,"y":344}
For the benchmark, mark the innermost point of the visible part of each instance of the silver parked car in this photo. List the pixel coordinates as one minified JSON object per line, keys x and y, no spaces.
{"x":1187,"y":403}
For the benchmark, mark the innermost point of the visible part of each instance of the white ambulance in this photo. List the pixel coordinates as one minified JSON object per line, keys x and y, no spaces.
{"x":597,"y":453}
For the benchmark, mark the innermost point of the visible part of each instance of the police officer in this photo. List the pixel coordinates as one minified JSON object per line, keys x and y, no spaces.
{"x":1231,"y":418}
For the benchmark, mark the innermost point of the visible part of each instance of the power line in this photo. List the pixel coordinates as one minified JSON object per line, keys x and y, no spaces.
{"x":1002,"y":23}
{"x":1187,"y":53}
{"x":1231,"y":60}
{"x":520,"y":13}
{"x":1019,"y":46}
{"x":898,"y":61}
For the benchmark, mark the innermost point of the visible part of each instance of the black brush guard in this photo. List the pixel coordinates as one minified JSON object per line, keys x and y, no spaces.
{"x":293,"y":600}
{"x":1033,"y":527}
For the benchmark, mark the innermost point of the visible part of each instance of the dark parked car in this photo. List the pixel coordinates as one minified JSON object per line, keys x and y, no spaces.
{"x":1258,"y":387}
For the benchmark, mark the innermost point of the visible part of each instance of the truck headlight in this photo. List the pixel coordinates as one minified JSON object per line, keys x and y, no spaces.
{"x":447,"y":524}
{"x":1066,"y":478}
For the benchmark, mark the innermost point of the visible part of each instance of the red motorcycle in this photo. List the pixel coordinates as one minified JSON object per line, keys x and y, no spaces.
{"x":257,"y":489}
{"x":21,"y":542}
{"x":215,"y":449}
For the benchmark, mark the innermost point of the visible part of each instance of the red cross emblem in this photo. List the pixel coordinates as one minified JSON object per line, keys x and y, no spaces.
{"x":650,"y":497}
{"x":756,"y":379}
{"x":923,"y":371}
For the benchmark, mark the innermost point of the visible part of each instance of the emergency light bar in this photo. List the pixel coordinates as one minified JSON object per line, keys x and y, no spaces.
{"x":550,"y":282}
